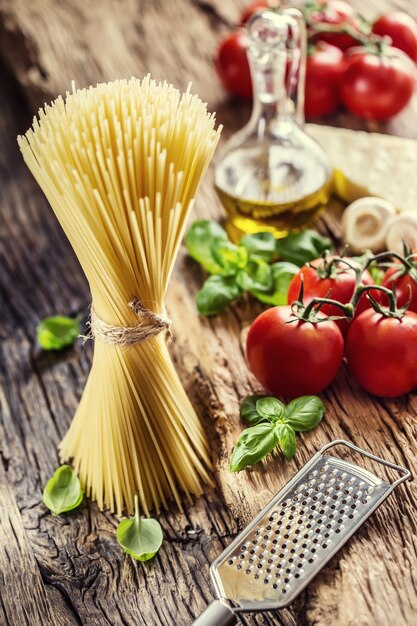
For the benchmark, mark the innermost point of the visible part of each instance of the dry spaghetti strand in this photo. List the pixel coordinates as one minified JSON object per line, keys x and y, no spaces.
{"x":120,"y":164}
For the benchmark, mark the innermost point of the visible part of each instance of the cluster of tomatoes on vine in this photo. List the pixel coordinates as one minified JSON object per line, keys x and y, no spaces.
{"x":367,"y":67}
{"x":337,"y":311}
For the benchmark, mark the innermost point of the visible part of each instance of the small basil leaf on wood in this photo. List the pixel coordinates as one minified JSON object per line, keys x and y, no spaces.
{"x":140,"y":537}
{"x":63,"y":491}
{"x":229,"y":257}
{"x":57,"y":332}
{"x":282,"y":274}
{"x":286,"y":439}
{"x":256,"y":277}
{"x":199,"y":241}
{"x":262,"y":245}
{"x":248,"y":410}
{"x":216,"y":294}
{"x":270,"y":408}
{"x":254,"y":444}
{"x":299,"y":248}
{"x":304,"y":413}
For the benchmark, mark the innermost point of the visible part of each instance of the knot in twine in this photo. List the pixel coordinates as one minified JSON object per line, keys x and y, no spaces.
{"x":150,"y":324}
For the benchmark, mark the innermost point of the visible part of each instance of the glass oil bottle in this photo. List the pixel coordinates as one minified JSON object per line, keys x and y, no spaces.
{"x":271,"y":175}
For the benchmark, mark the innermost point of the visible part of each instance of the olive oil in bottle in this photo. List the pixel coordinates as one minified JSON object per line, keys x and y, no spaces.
{"x":272,"y":175}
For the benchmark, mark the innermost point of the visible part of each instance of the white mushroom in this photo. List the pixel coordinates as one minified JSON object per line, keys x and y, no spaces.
{"x":402,"y":228}
{"x":364,"y":223}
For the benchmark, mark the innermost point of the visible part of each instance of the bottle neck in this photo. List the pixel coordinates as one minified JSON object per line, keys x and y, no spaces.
{"x":276,"y":53}
{"x":271,"y":102}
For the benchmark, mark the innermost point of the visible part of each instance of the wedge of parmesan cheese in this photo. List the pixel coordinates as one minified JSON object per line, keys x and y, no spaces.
{"x":371,"y":164}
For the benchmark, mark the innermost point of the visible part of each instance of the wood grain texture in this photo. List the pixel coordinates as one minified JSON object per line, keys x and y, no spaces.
{"x":79,"y":573}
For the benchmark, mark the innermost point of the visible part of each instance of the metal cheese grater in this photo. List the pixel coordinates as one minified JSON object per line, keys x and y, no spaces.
{"x":296,"y":534}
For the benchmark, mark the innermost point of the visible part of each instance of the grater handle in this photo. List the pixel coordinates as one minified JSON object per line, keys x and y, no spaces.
{"x":405,"y":474}
{"x":216,"y":614}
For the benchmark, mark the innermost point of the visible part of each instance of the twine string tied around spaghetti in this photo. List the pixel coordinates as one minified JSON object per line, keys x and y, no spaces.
{"x":150,"y":324}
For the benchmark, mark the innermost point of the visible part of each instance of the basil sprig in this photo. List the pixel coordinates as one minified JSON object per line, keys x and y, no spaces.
{"x":140,"y":537}
{"x":57,"y":332}
{"x":299,"y":248}
{"x":249,"y":267}
{"x":273,"y":424}
{"x":63,"y":491}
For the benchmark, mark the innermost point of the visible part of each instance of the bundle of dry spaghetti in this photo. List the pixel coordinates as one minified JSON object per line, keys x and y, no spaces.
{"x":120,"y":164}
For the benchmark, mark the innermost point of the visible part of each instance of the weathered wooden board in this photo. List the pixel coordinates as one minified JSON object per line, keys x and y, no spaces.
{"x":79,"y":574}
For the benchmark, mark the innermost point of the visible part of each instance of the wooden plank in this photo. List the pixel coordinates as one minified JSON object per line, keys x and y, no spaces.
{"x":23,"y":598}
{"x":47,"y":44}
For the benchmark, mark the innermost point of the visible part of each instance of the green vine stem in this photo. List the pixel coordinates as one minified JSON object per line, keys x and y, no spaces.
{"x":391,"y":311}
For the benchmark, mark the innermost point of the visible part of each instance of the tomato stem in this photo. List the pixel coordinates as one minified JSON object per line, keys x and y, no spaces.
{"x":317,"y":303}
{"x":330,"y":268}
{"x":391,"y":311}
{"x":310,"y":312}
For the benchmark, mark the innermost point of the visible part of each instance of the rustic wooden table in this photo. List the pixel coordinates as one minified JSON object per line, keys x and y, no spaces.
{"x":69,"y":570}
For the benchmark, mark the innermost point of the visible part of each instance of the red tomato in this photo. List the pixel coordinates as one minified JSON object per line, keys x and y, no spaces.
{"x":405,"y":285}
{"x":335,"y":13}
{"x":232,"y":65}
{"x":382,"y":353}
{"x":377,"y":86}
{"x":340,"y":284}
{"x":324,"y":70}
{"x":294,"y":359}
{"x":401,"y":28}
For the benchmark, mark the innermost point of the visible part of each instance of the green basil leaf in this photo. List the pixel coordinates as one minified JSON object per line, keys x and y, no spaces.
{"x":299,"y":248}
{"x":216,"y":294}
{"x":377,"y":273}
{"x":140,"y":537}
{"x":63,"y":491}
{"x":199,"y":240}
{"x":304,"y":413}
{"x":282,"y":274}
{"x":253,"y":445}
{"x":229,"y":257}
{"x":256,"y":276}
{"x":248,"y":410}
{"x":286,"y":439}
{"x":57,"y":332}
{"x":262,"y":245}
{"x":270,"y":408}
